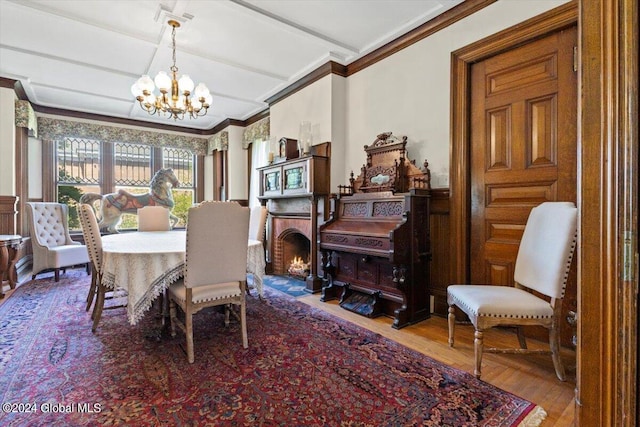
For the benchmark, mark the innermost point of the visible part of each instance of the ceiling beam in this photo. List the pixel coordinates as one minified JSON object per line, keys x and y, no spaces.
{"x":300,"y":29}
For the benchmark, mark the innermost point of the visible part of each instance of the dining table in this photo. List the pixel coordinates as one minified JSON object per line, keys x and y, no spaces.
{"x":146,"y":263}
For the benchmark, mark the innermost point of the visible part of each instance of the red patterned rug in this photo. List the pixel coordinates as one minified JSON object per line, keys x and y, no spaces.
{"x":303,"y":367}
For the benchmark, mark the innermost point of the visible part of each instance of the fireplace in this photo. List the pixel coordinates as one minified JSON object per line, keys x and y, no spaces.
{"x":296,"y":254}
{"x":291,"y":238}
{"x":296,"y":193}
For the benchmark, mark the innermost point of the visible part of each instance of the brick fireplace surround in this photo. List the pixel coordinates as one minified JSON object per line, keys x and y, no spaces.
{"x":283,"y":250}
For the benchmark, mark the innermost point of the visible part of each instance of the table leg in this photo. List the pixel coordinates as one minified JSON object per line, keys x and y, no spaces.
{"x":4,"y":265}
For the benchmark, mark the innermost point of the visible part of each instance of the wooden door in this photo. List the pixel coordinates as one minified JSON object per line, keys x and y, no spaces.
{"x":523,"y":148}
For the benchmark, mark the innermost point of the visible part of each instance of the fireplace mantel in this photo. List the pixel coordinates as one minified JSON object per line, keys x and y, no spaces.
{"x":296,"y":193}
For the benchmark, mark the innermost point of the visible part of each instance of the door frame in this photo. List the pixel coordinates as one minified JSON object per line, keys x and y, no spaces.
{"x":460,"y":147}
{"x":608,"y":221}
{"x":608,"y":144}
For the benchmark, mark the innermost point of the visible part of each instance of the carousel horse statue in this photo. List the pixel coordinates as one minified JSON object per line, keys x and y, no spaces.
{"x":113,"y":205}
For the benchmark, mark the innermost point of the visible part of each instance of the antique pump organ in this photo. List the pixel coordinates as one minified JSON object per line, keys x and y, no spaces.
{"x":375,"y":247}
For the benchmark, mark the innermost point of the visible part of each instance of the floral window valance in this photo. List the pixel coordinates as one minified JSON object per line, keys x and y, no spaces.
{"x":219,"y":141}
{"x":258,"y":131}
{"x":26,"y":117}
{"x":54,"y":129}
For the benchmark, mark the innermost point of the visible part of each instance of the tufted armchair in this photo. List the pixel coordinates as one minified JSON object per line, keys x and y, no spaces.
{"x":50,"y":239}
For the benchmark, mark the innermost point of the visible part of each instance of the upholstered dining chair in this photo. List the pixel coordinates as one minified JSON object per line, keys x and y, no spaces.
{"x":51,"y":243}
{"x":153,"y":218}
{"x":93,"y":242}
{"x":257,"y":223}
{"x":542,"y":265}
{"x":215,"y":266}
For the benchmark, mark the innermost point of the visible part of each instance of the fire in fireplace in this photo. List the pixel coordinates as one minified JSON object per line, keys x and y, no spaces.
{"x":298,"y":268}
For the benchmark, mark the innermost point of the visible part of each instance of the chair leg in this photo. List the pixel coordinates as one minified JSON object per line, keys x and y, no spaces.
{"x":97,"y":308}
{"x":172,"y":314}
{"x":521,"y":338}
{"x":92,"y":290}
{"x":243,"y":321}
{"x":554,"y":343}
{"x":452,"y":324}
{"x":56,"y":274}
{"x":477,"y":346}
{"x":188,"y":322}
{"x":227,"y":313}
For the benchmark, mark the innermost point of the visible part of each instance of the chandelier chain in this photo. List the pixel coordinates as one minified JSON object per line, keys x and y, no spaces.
{"x":173,"y":46}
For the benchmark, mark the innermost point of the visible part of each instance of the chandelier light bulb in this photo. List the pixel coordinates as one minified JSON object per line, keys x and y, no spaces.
{"x":177,"y":97}
{"x":163,"y":82}
{"x":201,"y":91}
{"x":186,"y":84}
{"x":135,"y":90}
{"x":145,"y":84}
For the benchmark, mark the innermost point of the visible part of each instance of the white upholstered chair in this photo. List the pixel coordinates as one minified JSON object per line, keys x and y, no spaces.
{"x":257,"y":223}
{"x":542,"y":265}
{"x":52,"y":246}
{"x":215,"y":266}
{"x":153,"y":218}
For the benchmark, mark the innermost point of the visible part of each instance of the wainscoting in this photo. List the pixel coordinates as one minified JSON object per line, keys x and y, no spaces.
{"x":440,"y":249}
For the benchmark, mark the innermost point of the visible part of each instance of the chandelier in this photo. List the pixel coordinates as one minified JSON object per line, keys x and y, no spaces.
{"x":174,"y":99}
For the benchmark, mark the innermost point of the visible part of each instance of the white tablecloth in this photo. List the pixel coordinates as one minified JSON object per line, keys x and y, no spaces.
{"x":146,"y":263}
{"x":256,"y":263}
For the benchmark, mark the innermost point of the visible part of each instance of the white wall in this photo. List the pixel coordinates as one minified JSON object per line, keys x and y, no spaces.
{"x":323,"y":104}
{"x":208,"y":177}
{"x":408,"y":93}
{"x":312,"y":104}
{"x":238,"y":169}
{"x":7,"y":142}
{"x":35,"y":168}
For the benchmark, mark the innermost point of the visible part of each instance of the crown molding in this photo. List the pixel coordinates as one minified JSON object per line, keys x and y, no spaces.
{"x":325,"y":69}
{"x":436,"y":24}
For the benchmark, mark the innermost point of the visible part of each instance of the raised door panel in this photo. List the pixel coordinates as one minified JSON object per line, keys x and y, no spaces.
{"x":523,"y":148}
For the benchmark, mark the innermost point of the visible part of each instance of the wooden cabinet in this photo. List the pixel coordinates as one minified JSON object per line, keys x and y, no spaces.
{"x":297,"y":177}
{"x":9,"y":249}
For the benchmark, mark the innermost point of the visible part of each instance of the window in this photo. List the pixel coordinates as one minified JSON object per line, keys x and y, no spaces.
{"x":79,"y":168}
{"x":182,"y":163}
{"x":92,"y":166}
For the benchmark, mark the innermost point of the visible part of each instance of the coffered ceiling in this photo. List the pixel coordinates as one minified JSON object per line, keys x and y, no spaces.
{"x":84,"y":55}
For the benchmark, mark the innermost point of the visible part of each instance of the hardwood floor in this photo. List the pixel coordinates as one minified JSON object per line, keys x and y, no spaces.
{"x":529,"y":376}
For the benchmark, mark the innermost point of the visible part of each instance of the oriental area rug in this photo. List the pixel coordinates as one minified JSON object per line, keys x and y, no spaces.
{"x":303,"y":367}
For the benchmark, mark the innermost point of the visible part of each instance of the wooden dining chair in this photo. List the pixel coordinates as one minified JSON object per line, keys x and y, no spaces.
{"x":542,"y":265}
{"x":93,"y":242}
{"x":215,"y":266}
